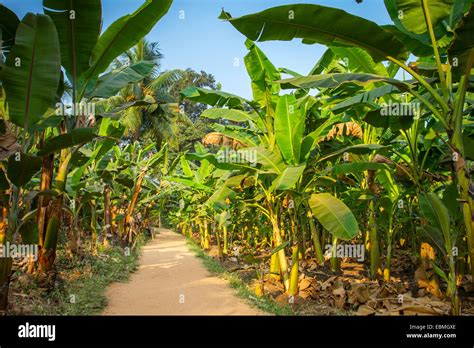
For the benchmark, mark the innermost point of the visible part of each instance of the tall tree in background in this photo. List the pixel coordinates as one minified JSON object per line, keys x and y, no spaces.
{"x":187,"y":135}
{"x":154,"y":112}
{"x":196,"y":79}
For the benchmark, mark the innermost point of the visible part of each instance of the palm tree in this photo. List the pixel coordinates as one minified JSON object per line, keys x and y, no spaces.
{"x":153,"y":112}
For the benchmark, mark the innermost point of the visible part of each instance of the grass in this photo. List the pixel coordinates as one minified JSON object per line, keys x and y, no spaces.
{"x":264,"y":303}
{"x":81,"y":283}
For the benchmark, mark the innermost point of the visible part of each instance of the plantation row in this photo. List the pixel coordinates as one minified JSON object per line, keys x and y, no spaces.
{"x":368,"y":160}
{"x":350,"y":160}
{"x":76,"y":171}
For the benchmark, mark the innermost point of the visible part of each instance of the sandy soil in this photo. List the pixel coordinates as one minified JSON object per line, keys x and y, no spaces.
{"x":172,"y":281}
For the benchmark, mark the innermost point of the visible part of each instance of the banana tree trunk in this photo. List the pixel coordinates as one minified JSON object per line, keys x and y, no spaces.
{"x":76,"y":229}
{"x":224,"y":249}
{"x":462,"y":173}
{"x":48,"y":252}
{"x":5,"y":273}
{"x":218,"y":240}
{"x":452,"y":290}
{"x":54,"y":218}
{"x":315,"y":237}
{"x":107,"y":214}
{"x":335,"y":261}
{"x":206,"y":235}
{"x":388,"y":264}
{"x":281,"y":253}
{"x":465,"y":193}
{"x":43,"y":201}
{"x":275,"y":267}
{"x":374,"y":243}
{"x":293,"y":287}
{"x":128,"y":217}
{"x":93,"y":225}
{"x":5,"y":265}
{"x":201,"y":232}
{"x":113,"y":223}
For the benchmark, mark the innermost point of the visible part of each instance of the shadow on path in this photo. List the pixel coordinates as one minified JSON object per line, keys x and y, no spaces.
{"x":172,"y":281}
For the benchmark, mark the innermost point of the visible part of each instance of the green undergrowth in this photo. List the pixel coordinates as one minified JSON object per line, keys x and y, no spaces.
{"x":264,"y":303}
{"x":81,"y":283}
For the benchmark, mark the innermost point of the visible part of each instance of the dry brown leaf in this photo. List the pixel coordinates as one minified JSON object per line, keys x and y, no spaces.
{"x":282,"y":299}
{"x":305,"y":283}
{"x":427,"y":251}
{"x":428,"y":281}
{"x":314,"y":294}
{"x":417,"y":310}
{"x":339,"y":292}
{"x":305,"y":294}
{"x":361,"y":292}
{"x":340,"y":302}
{"x":387,"y":304}
{"x":393,"y":313}
{"x":365,"y":310}
{"x":216,"y":138}
{"x":328,"y":283}
{"x":346,"y":128}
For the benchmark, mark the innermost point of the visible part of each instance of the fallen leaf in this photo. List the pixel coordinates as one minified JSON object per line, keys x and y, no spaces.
{"x":427,"y":251}
{"x":304,"y":294}
{"x":339,"y":292}
{"x":365,"y":310}
{"x":305,"y":283}
{"x":361,"y":292}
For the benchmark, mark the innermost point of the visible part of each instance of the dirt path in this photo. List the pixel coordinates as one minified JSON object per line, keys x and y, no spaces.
{"x":172,"y":281}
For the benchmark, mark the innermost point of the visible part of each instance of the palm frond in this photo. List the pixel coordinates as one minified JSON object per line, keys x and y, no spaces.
{"x":132,"y":121}
{"x":106,"y":105}
{"x":165,"y":80}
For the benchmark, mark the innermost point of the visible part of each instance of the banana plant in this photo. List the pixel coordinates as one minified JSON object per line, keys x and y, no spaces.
{"x":33,"y":87}
{"x":85,"y":55}
{"x":440,"y":229}
{"x":30,"y":79}
{"x":443,"y":99}
{"x":210,"y":188}
{"x":134,"y":168}
{"x":390,"y":202}
{"x":275,"y":132}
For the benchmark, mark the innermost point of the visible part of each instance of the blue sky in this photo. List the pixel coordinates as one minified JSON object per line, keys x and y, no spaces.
{"x":201,"y":41}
